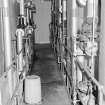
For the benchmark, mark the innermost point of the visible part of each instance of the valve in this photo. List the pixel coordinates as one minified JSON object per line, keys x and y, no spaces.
{"x":29,"y":30}
{"x":21,"y":22}
{"x":91,"y":48}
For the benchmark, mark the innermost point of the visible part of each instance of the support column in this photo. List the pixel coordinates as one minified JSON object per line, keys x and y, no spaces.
{"x":73,"y":37}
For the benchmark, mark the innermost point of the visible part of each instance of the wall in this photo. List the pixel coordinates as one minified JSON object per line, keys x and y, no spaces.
{"x":42,"y":19}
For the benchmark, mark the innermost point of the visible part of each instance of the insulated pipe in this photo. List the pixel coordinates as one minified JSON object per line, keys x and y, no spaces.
{"x":22,"y":7}
{"x":90,"y":8}
{"x":20,"y":34}
{"x":7,"y":43}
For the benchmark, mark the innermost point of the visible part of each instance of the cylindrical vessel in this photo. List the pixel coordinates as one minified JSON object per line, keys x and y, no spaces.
{"x":32,"y":89}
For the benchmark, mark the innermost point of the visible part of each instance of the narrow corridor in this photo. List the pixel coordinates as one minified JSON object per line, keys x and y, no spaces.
{"x":53,"y":88}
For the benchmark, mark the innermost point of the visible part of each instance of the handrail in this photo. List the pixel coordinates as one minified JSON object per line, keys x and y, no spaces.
{"x":86,"y":70}
{"x":13,"y":61}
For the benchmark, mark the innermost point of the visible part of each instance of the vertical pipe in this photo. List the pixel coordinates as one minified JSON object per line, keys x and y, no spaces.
{"x":60,"y":6}
{"x":64,"y":10}
{"x":27,"y":13}
{"x":20,"y":34}
{"x":92,"y":13}
{"x":7,"y":43}
{"x":79,"y":73}
{"x":64,"y":18}
{"x":30,"y":14}
{"x":22,"y":7}
{"x":91,"y":5}
{"x":74,"y":18}
{"x":60,"y":17}
{"x":81,"y":56}
{"x":102,"y":47}
{"x":90,"y":8}
{"x":74,"y":35}
{"x":100,"y":97}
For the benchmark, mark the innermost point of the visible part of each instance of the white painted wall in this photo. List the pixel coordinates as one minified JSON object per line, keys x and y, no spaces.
{"x":42,"y":19}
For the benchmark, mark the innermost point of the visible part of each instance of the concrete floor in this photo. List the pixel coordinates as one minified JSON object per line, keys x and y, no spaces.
{"x":53,"y":88}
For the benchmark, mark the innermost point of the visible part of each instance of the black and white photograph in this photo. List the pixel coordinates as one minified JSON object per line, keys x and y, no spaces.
{"x":52,"y":52}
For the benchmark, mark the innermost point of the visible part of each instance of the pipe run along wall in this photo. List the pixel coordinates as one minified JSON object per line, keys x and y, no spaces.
{"x":102,"y":47}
